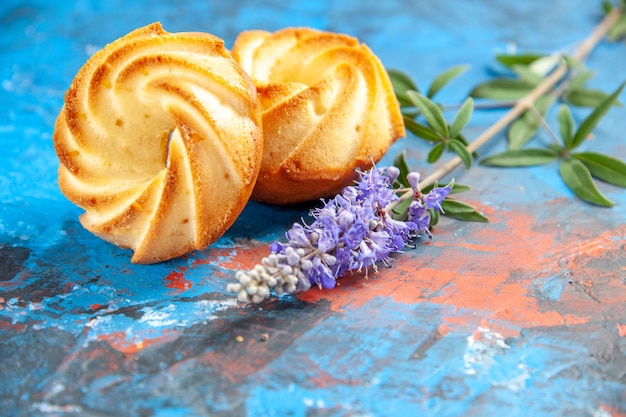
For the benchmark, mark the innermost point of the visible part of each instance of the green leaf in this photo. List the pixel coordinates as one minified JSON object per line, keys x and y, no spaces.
{"x":545,"y":64}
{"x":462,"y":211}
{"x":578,"y":179}
{"x":581,"y":79}
{"x":566,"y":125}
{"x":434,"y":217}
{"x":592,"y":120}
{"x":502,"y":88}
{"x":444,"y":78}
{"x":461,"y":150}
{"x":521,"y":59}
{"x":431,"y":112}
{"x":527,"y":74}
{"x":458,"y":188}
{"x":436,"y":152}
{"x":586,"y":97}
{"x":409,"y":112}
{"x":521,"y":158}
{"x":618,"y":30}
{"x":401,"y":163}
{"x":401,"y":210}
{"x":525,"y":127}
{"x":421,"y":131}
{"x":401,"y":80}
{"x":604,"y":167}
{"x":451,"y":206}
{"x":401,"y":83}
{"x":474,"y":216}
{"x":462,"y":117}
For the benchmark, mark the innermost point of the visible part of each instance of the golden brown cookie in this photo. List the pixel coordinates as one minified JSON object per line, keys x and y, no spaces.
{"x":160,"y":142}
{"x":328,"y":108}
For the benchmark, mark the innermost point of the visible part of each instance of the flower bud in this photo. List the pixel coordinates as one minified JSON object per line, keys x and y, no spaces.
{"x":414,"y":180}
{"x":392,"y":173}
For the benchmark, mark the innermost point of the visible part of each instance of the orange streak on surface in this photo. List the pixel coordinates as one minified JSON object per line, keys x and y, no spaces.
{"x":176,"y":280}
{"x":493,"y":271}
{"x":119,"y":341}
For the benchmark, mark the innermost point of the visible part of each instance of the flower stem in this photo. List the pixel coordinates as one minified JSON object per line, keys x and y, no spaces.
{"x":529,"y":100}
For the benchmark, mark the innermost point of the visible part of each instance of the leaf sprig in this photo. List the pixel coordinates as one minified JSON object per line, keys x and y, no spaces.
{"x":532,"y":84}
{"x":577,"y":169}
{"x":526,"y":72}
{"x":443,"y":136}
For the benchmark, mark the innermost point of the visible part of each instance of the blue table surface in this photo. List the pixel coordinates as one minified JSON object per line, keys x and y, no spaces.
{"x":524,"y":315}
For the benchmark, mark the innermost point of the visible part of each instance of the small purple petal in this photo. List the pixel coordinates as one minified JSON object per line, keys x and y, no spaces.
{"x":434,"y":198}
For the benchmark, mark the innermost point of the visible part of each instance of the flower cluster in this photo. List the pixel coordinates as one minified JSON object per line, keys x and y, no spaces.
{"x":355,"y":231}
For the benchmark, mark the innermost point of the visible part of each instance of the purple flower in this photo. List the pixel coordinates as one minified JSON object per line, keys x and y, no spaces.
{"x":352,"y":232}
{"x":420,"y":216}
{"x":434,"y":198}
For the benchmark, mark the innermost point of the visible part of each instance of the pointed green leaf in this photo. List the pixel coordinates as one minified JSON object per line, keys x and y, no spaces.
{"x":545,"y":64}
{"x":403,"y":99}
{"x":473,"y":216}
{"x":581,"y":78}
{"x":421,"y":131}
{"x":401,"y":83}
{"x":451,"y":206}
{"x":400,"y":211}
{"x":411,"y":113}
{"x":578,"y":179}
{"x":502,"y":88}
{"x":585,"y":97}
{"x":434,"y":217}
{"x":401,"y":163}
{"x":604,"y":167}
{"x":461,"y":139}
{"x":462,"y":118}
{"x":461,"y":150}
{"x":521,"y":59}
{"x":573,"y":62}
{"x":525,"y":73}
{"x":458,"y":188}
{"x":566,"y":124}
{"x":444,"y":78}
{"x":431,"y":112}
{"x":587,"y":125}
{"x":436,"y":152}
{"x":525,"y":127}
{"x":522,"y":130}
{"x":521,"y":158}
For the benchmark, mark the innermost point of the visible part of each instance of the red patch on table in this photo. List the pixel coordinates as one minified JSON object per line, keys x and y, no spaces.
{"x":176,"y":280}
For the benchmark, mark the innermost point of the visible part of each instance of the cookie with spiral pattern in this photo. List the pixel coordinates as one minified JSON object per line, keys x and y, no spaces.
{"x":328,"y":108}
{"x":160,"y":142}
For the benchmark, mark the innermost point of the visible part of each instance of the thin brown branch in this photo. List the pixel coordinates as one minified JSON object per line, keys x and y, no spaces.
{"x":583,"y":50}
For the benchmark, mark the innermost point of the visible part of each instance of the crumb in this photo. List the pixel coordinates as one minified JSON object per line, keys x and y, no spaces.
{"x":239,"y":338}
{"x":264,"y":337}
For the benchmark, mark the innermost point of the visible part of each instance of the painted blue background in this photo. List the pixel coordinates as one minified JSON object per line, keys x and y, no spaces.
{"x":84,"y":332}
